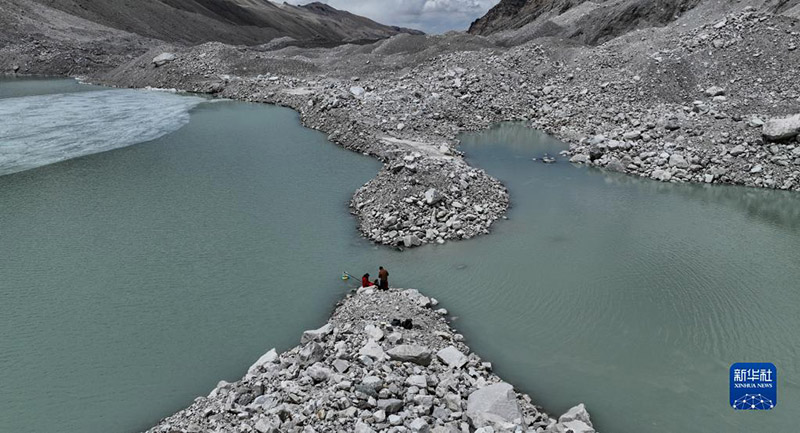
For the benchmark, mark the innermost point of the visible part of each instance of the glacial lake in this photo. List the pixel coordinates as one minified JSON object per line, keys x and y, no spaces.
{"x":134,"y":279}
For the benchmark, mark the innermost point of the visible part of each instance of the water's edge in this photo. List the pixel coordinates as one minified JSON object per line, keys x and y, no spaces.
{"x":389,"y":371}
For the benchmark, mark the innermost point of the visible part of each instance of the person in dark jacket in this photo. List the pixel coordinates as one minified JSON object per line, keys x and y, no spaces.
{"x":383,"y":278}
{"x":365,"y":281}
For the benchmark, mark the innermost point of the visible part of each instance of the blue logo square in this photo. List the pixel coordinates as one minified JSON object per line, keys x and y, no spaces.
{"x":754,"y":385}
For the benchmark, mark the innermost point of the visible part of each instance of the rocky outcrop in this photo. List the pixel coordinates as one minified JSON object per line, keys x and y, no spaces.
{"x":347,"y":376}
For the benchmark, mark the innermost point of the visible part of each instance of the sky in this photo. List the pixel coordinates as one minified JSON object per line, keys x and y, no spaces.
{"x":430,"y":16}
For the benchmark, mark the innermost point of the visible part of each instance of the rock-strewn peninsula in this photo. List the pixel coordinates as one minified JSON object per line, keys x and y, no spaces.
{"x":361,"y":373}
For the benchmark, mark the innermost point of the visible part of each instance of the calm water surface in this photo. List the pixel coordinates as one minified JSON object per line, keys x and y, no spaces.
{"x":133,"y":280}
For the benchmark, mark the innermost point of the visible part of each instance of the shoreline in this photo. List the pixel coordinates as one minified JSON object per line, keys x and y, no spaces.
{"x":404,"y":100}
{"x":360,"y":373}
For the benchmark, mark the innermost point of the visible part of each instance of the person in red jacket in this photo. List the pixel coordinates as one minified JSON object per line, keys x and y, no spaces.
{"x":365,"y":282}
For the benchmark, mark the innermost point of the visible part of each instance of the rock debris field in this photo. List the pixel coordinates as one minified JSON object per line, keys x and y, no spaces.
{"x":712,"y":97}
{"x":359,"y":373}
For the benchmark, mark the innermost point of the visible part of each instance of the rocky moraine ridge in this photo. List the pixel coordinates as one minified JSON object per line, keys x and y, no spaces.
{"x":360,"y":373}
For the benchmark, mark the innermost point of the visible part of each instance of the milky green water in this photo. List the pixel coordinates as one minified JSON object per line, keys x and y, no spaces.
{"x":133,"y":280}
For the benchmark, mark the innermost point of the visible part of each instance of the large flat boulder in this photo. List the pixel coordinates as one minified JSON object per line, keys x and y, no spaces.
{"x":316,"y":334}
{"x":494,"y":404}
{"x":410,"y":353}
{"x":784,"y":128}
{"x":163,"y":58}
{"x":452,"y":357}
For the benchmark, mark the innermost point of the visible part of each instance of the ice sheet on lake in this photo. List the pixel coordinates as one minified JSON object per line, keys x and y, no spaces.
{"x":41,"y":130}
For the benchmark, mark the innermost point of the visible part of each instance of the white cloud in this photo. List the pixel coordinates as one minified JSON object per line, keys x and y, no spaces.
{"x":431,"y":16}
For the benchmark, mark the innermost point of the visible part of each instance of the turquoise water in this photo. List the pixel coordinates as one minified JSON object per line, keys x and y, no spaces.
{"x":134,"y":280}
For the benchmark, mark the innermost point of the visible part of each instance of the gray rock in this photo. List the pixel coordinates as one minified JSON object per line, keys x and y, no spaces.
{"x":163,"y":58}
{"x":267,"y":358}
{"x":390,"y":405}
{"x":452,"y":357}
{"x":311,"y":353}
{"x":433,"y":197}
{"x":264,"y":425}
{"x":316,"y":334}
{"x":677,"y":160}
{"x":715,"y":91}
{"x":785,"y":128}
{"x":615,"y":165}
{"x":395,"y":338}
{"x":579,"y":159}
{"x":373,"y":382}
{"x":389,"y":221}
{"x":357,"y":91}
{"x":341,"y":365}
{"x":318,"y":372}
{"x":571,"y":427}
{"x":576,"y":413}
{"x":373,"y":332}
{"x":493,"y":404}
{"x":417,"y":380}
{"x":738,"y":150}
{"x":411,"y":241}
{"x":419,"y":425}
{"x":373,"y":350}
{"x":362,"y":427}
{"x":632,"y":135}
{"x":410,"y":353}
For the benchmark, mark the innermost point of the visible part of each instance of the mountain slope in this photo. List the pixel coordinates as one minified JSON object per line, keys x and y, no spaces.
{"x":248,"y":22}
{"x":589,"y":22}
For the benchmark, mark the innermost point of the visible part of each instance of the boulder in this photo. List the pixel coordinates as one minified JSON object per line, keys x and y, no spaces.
{"x":341,"y":365}
{"x":432,"y":197}
{"x":785,"y":128}
{"x":362,"y":427}
{"x":267,"y":358}
{"x":318,"y":372}
{"x":419,"y":425}
{"x":311,"y":353}
{"x":163,"y":58}
{"x":373,"y":332}
{"x":579,"y":159}
{"x":417,"y":380}
{"x":390,"y":405}
{"x":738,"y":150}
{"x":357,"y":91}
{"x":411,"y":241}
{"x":493,"y":404}
{"x":570,"y":427}
{"x":410,"y":353}
{"x":715,"y":91}
{"x":452,"y":357}
{"x":373,"y":350}
{"x":576,"y":413}
{"x":265,"y":425}
{"x":316,"y":334}
{"x":677,"y":160}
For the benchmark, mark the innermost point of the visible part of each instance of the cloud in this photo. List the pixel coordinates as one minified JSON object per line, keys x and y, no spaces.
{"x":431,"y":16}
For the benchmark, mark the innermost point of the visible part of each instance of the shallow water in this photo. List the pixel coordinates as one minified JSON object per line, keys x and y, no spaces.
{"x":134,"y":280}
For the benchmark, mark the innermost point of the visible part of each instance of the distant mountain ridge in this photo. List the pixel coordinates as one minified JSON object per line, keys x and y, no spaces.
{"x":245,"y":22}
{"x":589,"y":22}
